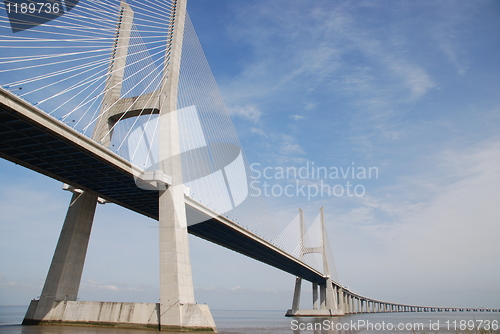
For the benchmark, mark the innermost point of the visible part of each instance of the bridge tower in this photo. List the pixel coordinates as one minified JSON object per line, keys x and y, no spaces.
{"x":328,"y":302}
{"x":177,"y":309}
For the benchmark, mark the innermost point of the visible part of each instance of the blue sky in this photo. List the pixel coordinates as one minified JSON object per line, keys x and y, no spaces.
{"x":410,"y":88}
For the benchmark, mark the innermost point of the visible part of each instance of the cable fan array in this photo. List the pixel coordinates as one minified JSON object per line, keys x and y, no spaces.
{"x":64,"y":68}
{"x":310,"y":246}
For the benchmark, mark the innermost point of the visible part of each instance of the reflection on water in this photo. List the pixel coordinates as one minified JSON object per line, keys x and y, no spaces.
{"x":264,"y":322}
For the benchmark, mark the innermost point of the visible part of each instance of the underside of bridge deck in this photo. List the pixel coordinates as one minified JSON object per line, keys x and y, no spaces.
{"x":54,"y":152}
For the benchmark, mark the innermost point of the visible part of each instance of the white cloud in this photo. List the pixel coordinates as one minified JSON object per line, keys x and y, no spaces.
{"x":288,"y":146}
{"x":91,"y":284}
{"x":310,"y":106}
{"x":8,"y":284}
{"x":413,"y":77}
{"x":248,"y":112}
{"x":296,"y":117}
{"x":259,"y":132}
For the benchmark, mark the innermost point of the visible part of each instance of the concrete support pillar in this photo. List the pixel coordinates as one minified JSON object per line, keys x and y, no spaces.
{"x":112,"y":91}
{"x":322,"y":296}
{"x":335,"y":297}
{"x":178,"y":310}
{"x":315,"y":296}
{"x":296,"y":294}
{"x":176,"y":281}
{"x":330,"y":300}
{"x":341,"y":299}
{"x":65,"y":273}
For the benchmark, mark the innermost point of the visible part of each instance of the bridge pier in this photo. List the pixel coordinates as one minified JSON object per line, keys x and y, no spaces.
{"x":296,"y":294}
{"x":315,"y":296}
{"x":65,"y":272}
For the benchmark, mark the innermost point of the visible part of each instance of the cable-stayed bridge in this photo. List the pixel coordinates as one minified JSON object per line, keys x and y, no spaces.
{"x":117,"y":101}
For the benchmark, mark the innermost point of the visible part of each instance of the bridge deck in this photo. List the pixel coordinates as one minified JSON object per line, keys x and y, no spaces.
{"x":33,"y":139}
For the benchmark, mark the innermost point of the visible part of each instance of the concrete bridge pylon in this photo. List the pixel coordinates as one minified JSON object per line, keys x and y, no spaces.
{"x":330,"y":296}
{"x":177,"y":309}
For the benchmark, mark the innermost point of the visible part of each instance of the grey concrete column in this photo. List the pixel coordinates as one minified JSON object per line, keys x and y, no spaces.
{"x":176,"y":281}
{"x":340,"y":297}
{"x":65,"y":273}
{"x":177,"y":303}
{"x":112,"y":90}
{"x":315,"y":296}
{"x":322,"y":296}
{"x":335,"y":297}
{"x":296,"y":294}
{"x":330,"y":299}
